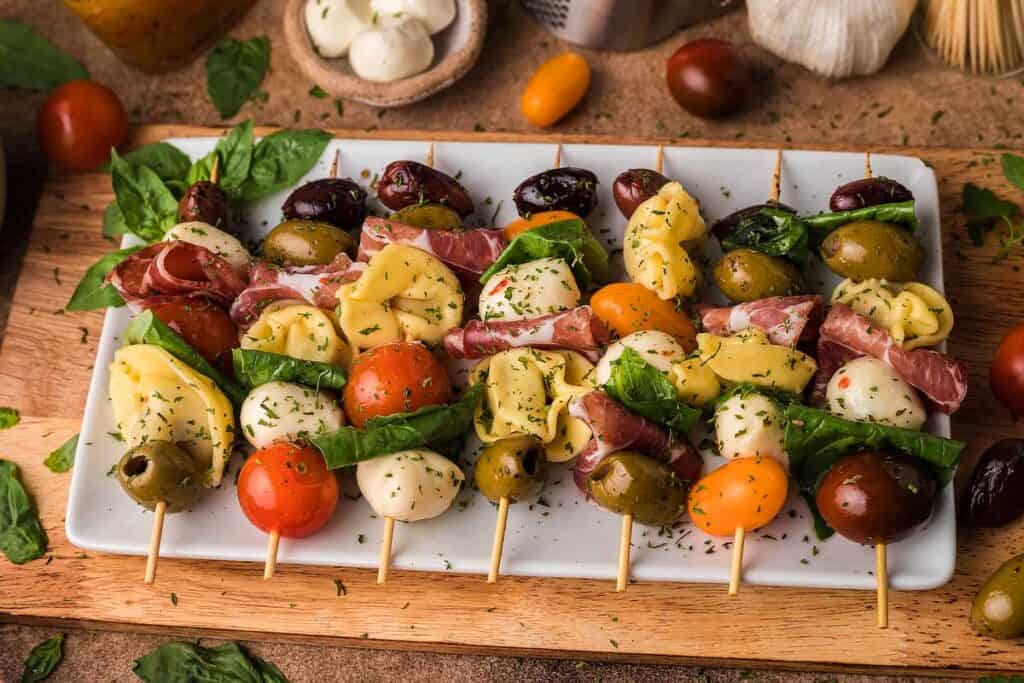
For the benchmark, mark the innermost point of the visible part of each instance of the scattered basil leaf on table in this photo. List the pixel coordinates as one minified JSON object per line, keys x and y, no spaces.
{"x":234,"y":71}
{"x":163,"y":158}
{"x":561,"y":239}
{"x":22,"y":537}
{"x":897,"y":213}
{"x":1013,"y":169}
{"x":30,"y":61}
{"x":9,"y":417}
{"x":43,"y":659}
{"x":253,"y":368}
{"x":318,"y":92}
{"x":93,"y":292}
{"x":180,"y":662}
{"x":62,"y":458}
{"x":235,"y":152}
{"x":771,"y":231}
{"x":280,"y":159}
{"x":148,"y":205}
{"x":646,"y":391}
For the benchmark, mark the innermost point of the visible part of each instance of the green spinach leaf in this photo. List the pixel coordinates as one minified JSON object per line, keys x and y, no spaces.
{"x":561,"y":239}
{"x":280,"y":159}
{"x":180,"y":662}
{"x":147,"y":204}
{"x":30,"y":61}
{"x":234,"y":71}
{"x":646,"y":391}
{"x":93,"y":292}
{"x":771,"y":231}
{"x":63,"y":458}
{"x":22,"y":537}
{"x":43,"y":659}
{"x":9,"y":417}
{"x":253,"y":368}
{"x":897,"y":213}
{"x":163,"y":158}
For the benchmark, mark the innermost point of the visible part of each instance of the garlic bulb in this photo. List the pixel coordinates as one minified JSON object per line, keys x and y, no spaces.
{"x":835,"y":38}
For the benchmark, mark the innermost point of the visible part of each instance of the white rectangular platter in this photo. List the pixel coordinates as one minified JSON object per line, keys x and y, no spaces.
{"x":561,"y":534}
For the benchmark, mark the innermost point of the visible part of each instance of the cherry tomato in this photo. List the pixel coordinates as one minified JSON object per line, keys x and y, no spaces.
{"x":709,"y":77}
{"x":1007,"y":373}
{"x":534,"y":221}
{"x":204,"y":325}
{"x":394,"y":378}
{"x":745,"y":492}
{"x":626,"y":307}
{"x":555,"y":88}
{"x":79,"y":123}
{"x":287,"y":488}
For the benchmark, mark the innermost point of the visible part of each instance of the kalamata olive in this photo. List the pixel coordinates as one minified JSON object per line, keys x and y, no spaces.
{"x":709,"y":77}
{"x":205,"y":202}
{"x":998,"y":609}
{"x":637,"y":484}
{"x":337,"y":201}
{"x":306,"y":243}
{"x":159,"y":471}
{"x":871,"y":249}
{"x":868,"y":192}
{"x":405,"y":183}
{"x":876,"y":496}
{"x":993,"y":496}
{"x":723,"y":226}
{"x":634,"y":187}
{"x":560,"y":189}
{"x":511,"y":468}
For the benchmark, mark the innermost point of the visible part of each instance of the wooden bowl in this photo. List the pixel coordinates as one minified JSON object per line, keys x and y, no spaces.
{"x":456,"y":50}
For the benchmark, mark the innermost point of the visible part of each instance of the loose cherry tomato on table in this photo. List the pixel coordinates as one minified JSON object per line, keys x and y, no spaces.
{"x":709,"y":77}
{"x":79,"y":123}
{"x":205,"y":326}
{"x":555,"y":88}
{"x":626,"y":307}
{"x":745,"y":492}
{"x":394,"y":378}
{"x":287,"y":488}
{"x":1007,"y":373}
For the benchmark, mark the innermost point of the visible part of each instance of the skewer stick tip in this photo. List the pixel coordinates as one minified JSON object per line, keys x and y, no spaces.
{"x":558,"y":155}
{"x":499,"y":540}
{"x":430,"y":155}
{"x":624,"y":544}
{"x":385,"y":550}
{"x":737,"y":561}
{"x":659,"y":161}
{"x":882,"y":574}
{"x":867,"y":165}
{"x":335,"y":163}
{"x":154,"y":541}
{"x":776,"y":189}
{"x":271,"y":564}
{"x":215,"y":170}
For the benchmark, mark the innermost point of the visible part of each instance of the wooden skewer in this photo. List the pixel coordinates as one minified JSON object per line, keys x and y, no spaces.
{"x":776,"y":191}
{"x":385,"y":550}
{"x":867,"y":164}
{"x":334,"y":164}
{"x":558,"y":155}
{"x":430,"y":155}
{"x":499,"y":540}
{"x":215,"y":170}
{"x":737,"y":561}
{"x":271,"y":564}
{"x":882,"y":574}
{"x":154,"y":540}
{"x":624,"y":544}
{"x":659,"y":161}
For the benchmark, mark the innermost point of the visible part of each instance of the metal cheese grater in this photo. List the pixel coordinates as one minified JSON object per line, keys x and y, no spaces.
{"x":622,"y":24}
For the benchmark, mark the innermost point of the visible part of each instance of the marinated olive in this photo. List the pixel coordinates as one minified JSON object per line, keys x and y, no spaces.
{"x":511,"y":468}
{"x":709,"y":77}
{"x":993,"y":494}
{"x":999,"y":606}
{"x":876,"y":496}
{"x":868,"y":192}
{"x":159,"y":471}
{"x":748,"y":275}
{"x":871,"y":249}
{"x":723,"y":226}
{"x":560,"y":189}
{"x":430,"y":216}
{"x":337,"y":201}
{"x":205,"y":202}
{"x":634,"y":187}
{"x":305,"y":243}
{"x":631,"y":483}
{"x":405,"y":183}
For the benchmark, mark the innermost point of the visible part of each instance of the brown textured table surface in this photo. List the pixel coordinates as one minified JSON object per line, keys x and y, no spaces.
{"x":914,"y":100}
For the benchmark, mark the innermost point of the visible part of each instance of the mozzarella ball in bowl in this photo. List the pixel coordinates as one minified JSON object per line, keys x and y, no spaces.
{"x":529,"y":290}
{"x":282,"y":411}
{"x":391,"y":51}
{"x":216,"y":240}
{"x":867,"y":390}
{"x":751,"y":424}
{"x":436,"y":15}
{"x":409,"y":485}
{"x":659,"y":349}
{"x":332,"y":24}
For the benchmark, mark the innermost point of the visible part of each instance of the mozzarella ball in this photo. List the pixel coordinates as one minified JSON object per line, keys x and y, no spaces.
{"x":389,"y":52}
{"x":660,"y":349}
{"x":216,"y":240}
{"x":436,"y":15}
{"x":751,"y":424}
{"x":529,"y":290}
{"x":282,"y":411}
{"x":409,"y":485}
{"x":868,"y":390}
{"x":332,"y":24}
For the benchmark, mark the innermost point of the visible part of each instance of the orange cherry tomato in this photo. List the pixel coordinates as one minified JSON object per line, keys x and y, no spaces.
{"x":79,"y":123}
{"x":626,"y":307}
{"x":534,"y":221}
{"x":745,"y":492}
{"x":555,"y":88}
{"x":205,"y":326}
{"x":287,"y":488}
{"x":394,"y":378}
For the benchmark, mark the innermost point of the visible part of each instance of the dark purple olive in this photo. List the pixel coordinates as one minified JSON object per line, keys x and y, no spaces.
{"x":868,"y":192}
{"x":723,"y":226}
{"x":405,"y":183}
{"x":560,"y":189}
{"x":634,"y":187}
{"x":337,"y":201}
{"x":995,"y":494}
{"x":205,"y":202}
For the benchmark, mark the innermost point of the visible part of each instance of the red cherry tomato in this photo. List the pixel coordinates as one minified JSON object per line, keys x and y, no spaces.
{"x":1007,"y":373}
{"x":709,"y":77}
{"x":287,"y":488}
{"x":394,"y":378}
{"x":79,"y":123}
{"x":204,"y":325}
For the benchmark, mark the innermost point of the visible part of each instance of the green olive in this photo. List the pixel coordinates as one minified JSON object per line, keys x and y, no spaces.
{"x":631,"y":483}
{"x":867,"y":249}
{"x":429,"y":216}
{"x":999,"y":606}
{"x":511,"y":468}
{"x":748,"y":275}
{"x":159,"y":471}
{"x":306,"y":243}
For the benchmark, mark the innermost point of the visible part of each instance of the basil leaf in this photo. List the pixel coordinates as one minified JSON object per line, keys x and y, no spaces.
{"x":235,"y":152}
{"x":148,"y":206}
{"x":646,"y":391}
{"x":746,"y":388}
{"x":1013,"y":169}
{"x":771,"y":231}
{"x":234,"y":71}
{"x":982,"y":203}
{"x":429,"y":426}
{"x":63,"y":458}
{"x":187,"y":663}
{"x":561,"y":239}
{"x":22,"y":537}
{"x":113,"y":221}
{"x":30,"y":61}
{"x":897,"y":213}
{"x":9,"y":417}
{"x":43,"y":659}
{"x":146,"y":328}
{"x":280,"y":159}
{"x":163,"y":158}
{"x":93,"y":292}
{"x":253,"y":368}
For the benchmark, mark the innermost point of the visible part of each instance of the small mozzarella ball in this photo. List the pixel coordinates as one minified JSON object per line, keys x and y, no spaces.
{"x":216,"y":240}
{"x":660,"y":349}
{"x":409,"y":485}
{"x":749,"y":425}
{"x":868,"y":390}
{"x":282,"y":411}
{"x":332,"y":24}
{"x":436,"y":15}
{"x":529,"y":290}
{"x":390,"y":52}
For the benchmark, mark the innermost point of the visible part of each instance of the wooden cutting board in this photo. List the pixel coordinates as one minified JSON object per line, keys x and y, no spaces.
{"x":45,"y":365}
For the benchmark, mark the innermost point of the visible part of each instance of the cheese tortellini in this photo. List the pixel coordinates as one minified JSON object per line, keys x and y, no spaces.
{"x":527,"y":393}
{"x":696,"y":383}
{"x":654,"y":243}
{"x":299,"y":331}
{"x":156,"y":397}
{"x":750,"y":357}
{"x":404,"y":295}
{"x":914,"y":314}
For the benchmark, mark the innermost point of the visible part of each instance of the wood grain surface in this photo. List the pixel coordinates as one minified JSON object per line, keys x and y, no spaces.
{"x":47,"y":358}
